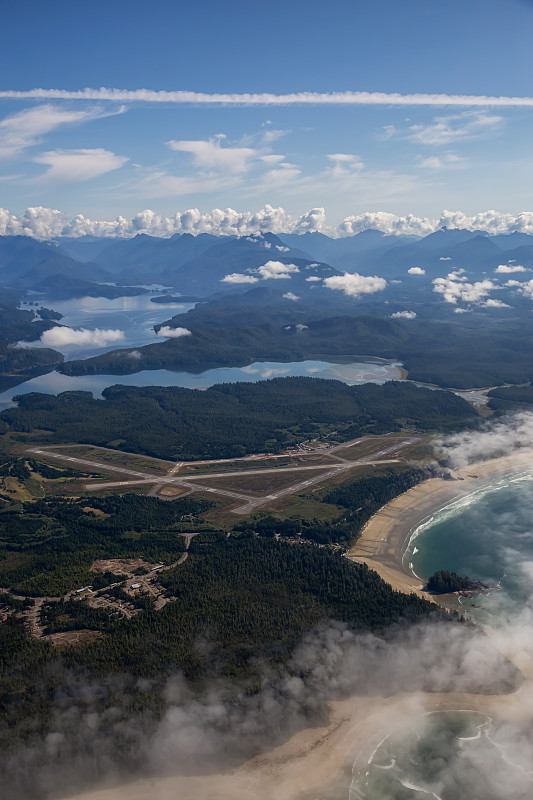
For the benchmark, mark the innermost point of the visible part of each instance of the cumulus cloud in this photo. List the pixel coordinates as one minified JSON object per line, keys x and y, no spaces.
{"x":354,"y":284}
{"x":524,"y":287}
{"x":403,"y":315}
{"x":492,"y":222}
{"x":454,"y":287}
{"x":79,"y":165}
{"x":239,"y":277}
{"x":276,"y":270}
{"x":173,"y":333}
{"x":445,"y":258}
{"x":312,"y":279}
{"x":47,"y":223}
{"x":291,"y":296}
{"x":63,"y":336}
{"x":416,"y":271}
{"x":493,"y":303}
{"x":505,"y":268}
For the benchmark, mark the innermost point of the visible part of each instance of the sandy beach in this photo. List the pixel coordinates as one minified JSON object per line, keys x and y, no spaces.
{"x":318,"y":763}
{"x":385,"y":536}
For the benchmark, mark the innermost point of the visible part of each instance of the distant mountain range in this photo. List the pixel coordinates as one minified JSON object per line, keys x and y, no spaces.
{"x":199,"y":264}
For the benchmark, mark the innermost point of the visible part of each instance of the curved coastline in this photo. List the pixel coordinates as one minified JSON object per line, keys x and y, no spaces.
{"x":387,"y":535}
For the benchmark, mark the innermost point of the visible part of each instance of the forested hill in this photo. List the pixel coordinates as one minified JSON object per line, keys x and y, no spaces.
{"x":459,"y":354}
{"x":231,"y":420}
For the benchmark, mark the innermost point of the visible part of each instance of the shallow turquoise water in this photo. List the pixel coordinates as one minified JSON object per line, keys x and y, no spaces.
{"x":487,"y":535}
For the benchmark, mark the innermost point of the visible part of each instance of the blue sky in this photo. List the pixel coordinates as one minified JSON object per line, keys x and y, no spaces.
{"x":103,"y":155}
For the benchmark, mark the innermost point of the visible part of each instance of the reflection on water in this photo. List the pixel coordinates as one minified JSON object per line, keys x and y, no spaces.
{"x":55,"y":382}
{"x":447,"y":756}
{"x":135,"y":316}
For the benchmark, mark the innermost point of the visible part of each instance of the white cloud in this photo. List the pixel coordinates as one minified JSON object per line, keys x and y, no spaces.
{"x":524,"y":287}
{"x":451,"y":128}
{"x":403,"y":315}
{"x":173,"y":333}
{"x":457,"y":275}
{"x":25,"y":128}
{"x":442,"y":162}
{"x":276,"y":270}
{"x":239,"y":277}
{"x":266,"y":98}
{"x":62,"y":336}
{"x":291,"y":296}
{"x":47,"y":223}
{"x":78,"y":165}
{"x":312,"y":279}
{"x":416,"y":271}
{"x":491,"y":221}
{"x":212,"y":155}
{"x":354,"y":284}
{"x":493,"y":303}
{"x":505,"y":268}
{"x":453,"y":289}
{"x":445,"y":258}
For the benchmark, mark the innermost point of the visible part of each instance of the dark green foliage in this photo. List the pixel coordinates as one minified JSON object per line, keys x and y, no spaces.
{"x":442,"y":582}
{"x":48,"y":550}
{"x":25,"y":358}
{"x":239,"y":603}
{"x":15,"y":468}
{"x":231,"y":420}
{"x":365,"y":496}
{"x":459,"y":354}
{"x":511,"y":398}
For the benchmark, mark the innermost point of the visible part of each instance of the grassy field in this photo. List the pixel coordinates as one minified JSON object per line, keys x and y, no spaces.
{"x":114,"y":458}
{"x":261,"y":484}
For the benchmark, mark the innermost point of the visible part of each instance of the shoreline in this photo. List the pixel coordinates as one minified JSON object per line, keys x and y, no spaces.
{"x":321,"y":761}
{"x":387,"y":534}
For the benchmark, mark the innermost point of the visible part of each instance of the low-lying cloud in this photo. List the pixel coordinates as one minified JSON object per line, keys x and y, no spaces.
{"x":62,"y":336}
{"x":354,"y":285}
{"x":510,"y":268}
{"x":239,"y":277}
{"x":416,"y":271}
{"x":495,"y":439}
{"x":276,"y":270}
{"x":455,"y":287}
{"x":403,"y":315}
{"x":173,"y":333}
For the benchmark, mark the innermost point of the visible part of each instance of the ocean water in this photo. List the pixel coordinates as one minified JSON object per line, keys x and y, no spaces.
{"x":447,"y":756}
{"x":487,"y":535}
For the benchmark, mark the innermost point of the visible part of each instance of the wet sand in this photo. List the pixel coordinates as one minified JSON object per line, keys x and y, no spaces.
{"x":319,"y":762}
{"x":385,"y":536}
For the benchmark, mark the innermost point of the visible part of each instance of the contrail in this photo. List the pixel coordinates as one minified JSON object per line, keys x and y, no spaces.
{"x":270,"y":99}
